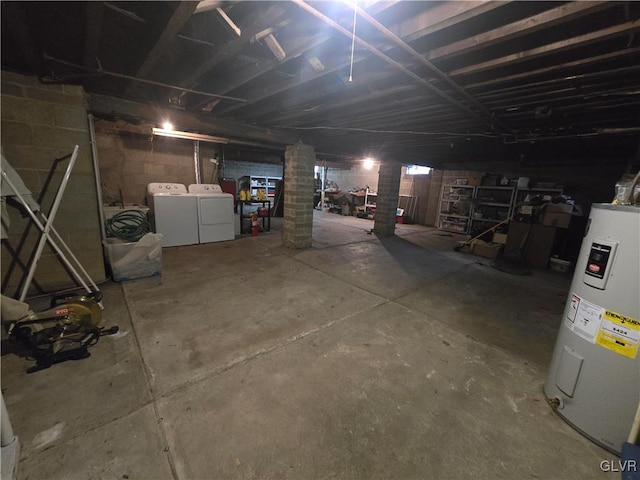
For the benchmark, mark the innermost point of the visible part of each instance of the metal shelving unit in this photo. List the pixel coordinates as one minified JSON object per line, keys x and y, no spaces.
{"x":454,"y":211}
{"x":491,"y":205}
{"x":268,"y":184}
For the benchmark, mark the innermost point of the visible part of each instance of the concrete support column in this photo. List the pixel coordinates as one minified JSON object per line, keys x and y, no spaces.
{"x":387,"y":202}
{"x":299,"y":160}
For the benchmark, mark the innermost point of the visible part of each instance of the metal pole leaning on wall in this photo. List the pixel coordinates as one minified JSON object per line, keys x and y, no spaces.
{"x":96,"y":171}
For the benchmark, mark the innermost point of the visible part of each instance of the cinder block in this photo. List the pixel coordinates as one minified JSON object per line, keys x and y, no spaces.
{"x":73,"y":90}
{"x":16,"y":133}
{"x":10,"y":89}
{"x":70,"y":117}
{"x":27,"y":111}
{"x":16,"y":78}
{"x":63,"y":138}
{"x":51,"y":95}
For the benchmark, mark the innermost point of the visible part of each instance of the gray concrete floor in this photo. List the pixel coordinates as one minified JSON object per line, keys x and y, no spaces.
{"x":362,"y":357}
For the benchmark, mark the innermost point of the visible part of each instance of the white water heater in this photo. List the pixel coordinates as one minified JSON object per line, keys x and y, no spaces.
{"x":594,"y":378}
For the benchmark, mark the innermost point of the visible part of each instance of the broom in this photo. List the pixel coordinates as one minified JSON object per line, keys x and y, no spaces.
{"x":514,"y":261}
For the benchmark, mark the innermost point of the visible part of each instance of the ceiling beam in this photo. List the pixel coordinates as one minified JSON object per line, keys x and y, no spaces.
{"x":433,"y":69}
{"x":554,"y":68}
{"x":393,"y":63}
{"x":178,"y":19}
{"x":337,"y":94}
{"x":236,"y":79}
{"x":154,"y":115}
{"x":434,"y":19}
{"x":443,"y":15}
{"x":526,"y":26}
{"x":552,"y":48}
{"x":621,"y":73}
{"x":259,"y":21}
{"x":206,"y":5}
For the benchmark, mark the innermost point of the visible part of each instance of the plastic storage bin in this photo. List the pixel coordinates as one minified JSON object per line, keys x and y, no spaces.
{"x":135,"y":259}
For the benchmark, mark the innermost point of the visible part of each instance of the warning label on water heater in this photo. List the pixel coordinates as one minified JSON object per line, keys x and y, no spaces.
{"x":583,"y":318}
{"x":619,"y":333}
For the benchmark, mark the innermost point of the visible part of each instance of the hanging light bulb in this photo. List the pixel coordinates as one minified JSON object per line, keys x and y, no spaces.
{"x":167,"y":126}
{"x":368,"y":163}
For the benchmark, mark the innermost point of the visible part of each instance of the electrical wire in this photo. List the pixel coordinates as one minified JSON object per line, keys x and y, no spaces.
{"x":353,"y":39}
{"x":128,"y":225}
{"x":395,"y":132}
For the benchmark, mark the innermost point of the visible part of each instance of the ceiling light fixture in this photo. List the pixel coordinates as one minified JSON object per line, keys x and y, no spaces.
{"x":188,"y":136}
{"x":368,"y":163}
{"x":167,"y":126}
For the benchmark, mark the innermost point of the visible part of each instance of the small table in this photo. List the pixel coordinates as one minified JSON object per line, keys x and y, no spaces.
{"x":262,"y":204}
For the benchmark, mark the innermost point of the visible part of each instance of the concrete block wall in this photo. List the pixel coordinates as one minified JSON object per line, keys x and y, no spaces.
{"x":410,"y":185}
{"x":298,"y":196}
{"x":387,"y":201}
{"x":129,"y":161}
{"x":354,"y":177}
{"x":40,"y":125}
{"x":238,"y":168}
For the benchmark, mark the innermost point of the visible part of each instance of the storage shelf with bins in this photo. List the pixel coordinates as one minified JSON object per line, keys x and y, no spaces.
{"x":492,"y":204}
{"x":454,"y":213}
{"x":268,"y":184}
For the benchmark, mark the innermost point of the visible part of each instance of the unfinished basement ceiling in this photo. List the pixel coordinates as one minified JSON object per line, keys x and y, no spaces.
{"x":428,"y":82}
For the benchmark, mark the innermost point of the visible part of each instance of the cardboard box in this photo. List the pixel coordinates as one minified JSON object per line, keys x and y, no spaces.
{"x":500,"y":238}
{"x":559,"y":208}
{"x":484,"y":249}
{"x":475,"y":181}
{"x":558,"y":220}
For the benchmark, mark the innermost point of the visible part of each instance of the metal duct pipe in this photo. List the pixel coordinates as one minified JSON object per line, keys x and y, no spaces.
{"x":196,"y":161}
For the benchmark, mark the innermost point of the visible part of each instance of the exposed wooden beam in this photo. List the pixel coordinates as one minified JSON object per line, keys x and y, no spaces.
{"x":397,"y":65}
{"x":180,"y":16}
{"x":443,"y":15}
{"x":517,"y":29}
{"x":206,"y":5}
{"x":154,"y":115}
{"x":622,"y":73}
{"x":296,"y":104}
{"x":93,"y":32}
{"x":124,"y":12}
{"x":237,"y":78}
{"x":437,"y":18}
{"x":554,"y":68}
{"x":259,"y":21}
{"x":331,"y":63}
{"x":435,"y":70}
{"x":552,"y":48}
{"x":228,"y":23}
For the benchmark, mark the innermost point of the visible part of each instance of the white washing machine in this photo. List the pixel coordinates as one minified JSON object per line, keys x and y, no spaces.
{"x":175,"y":213}
{"x":215,"y":213}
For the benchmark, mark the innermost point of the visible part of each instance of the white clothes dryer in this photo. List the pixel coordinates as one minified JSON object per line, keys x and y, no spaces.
{"x":215,"y":213}
{"x":175,"y":213}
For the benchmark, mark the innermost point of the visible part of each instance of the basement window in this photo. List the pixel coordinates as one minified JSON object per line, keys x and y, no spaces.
{"x":418,"y":170}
